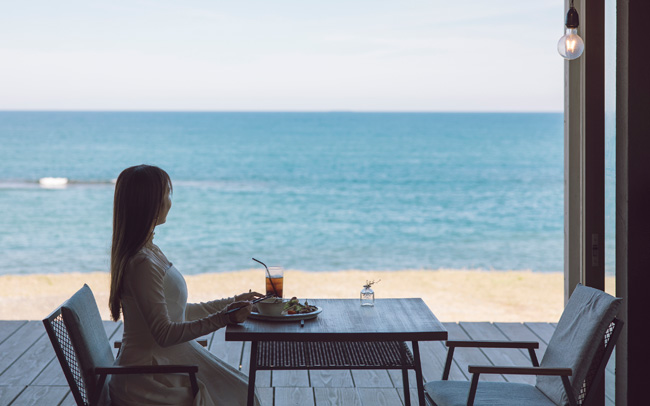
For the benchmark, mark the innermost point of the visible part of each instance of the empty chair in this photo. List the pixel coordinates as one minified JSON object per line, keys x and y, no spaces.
{"x":573,"y":364}
{"x":82,"y":348}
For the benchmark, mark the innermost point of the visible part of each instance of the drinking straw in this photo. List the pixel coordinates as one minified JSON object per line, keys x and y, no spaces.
{"x":268,"y":274}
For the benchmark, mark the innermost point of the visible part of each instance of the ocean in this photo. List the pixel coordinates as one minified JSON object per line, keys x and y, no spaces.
{"x":308,"y":191}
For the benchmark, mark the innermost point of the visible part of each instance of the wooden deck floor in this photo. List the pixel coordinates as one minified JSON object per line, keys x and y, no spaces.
{"x":30,"y":374}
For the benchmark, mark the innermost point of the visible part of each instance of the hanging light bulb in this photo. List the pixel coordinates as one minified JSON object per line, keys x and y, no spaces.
{"x":570,"y":46}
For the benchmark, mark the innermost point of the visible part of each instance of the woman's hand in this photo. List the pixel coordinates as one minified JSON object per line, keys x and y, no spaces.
{"x":248,"y":296}
{"x":240,"y":315}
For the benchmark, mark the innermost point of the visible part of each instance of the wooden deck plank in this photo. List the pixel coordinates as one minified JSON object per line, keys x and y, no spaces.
{"x":542,"y":330}
{"x":8,"y":327}
{"x":292,"y":378}
{"x":53,"y":374}
{"x":337,"y":397}
{"x":611,"y":365}
{"x":228,"y":351}
{"x":9,"y":393}
{"x":265,"y":396}
{"x":396,"y":376}
{"x":497,"y":356}
{"x":41,"y":396}
{"x":116,"y":332}
{"x":30,"y":364}
{"x":610,"y":384}
{"x":520,"y":332}
{"x":208,"y":338}
{"x":371,"y":378}
{"x":610,"y":377}
{"x":325,"y":387}
{"x":464,"y":357}
{"x":18,"y":343}
{"x":262,"y":378}
{"x":69,"y":400}
{"x":294,"y":396}
{"x":330,"y":379}
{"x":117,"y":336}
{"x":433,"y":355}
{"x":379,"y":397}
{"x":414,"y":397}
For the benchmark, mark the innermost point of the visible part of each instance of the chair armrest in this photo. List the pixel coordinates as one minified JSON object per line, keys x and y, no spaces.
{"x":491,"y":369}
{"x":191,"y":370}
{"x":492,"y":344}
{"x":203,"y":342}
{"x":453,"y":344}
{"x":146,"y":369}
{"x":563,"y":373}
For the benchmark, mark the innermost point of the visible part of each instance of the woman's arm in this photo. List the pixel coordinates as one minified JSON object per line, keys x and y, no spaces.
{"x":145,"y":281}
{"x":196,"y":311}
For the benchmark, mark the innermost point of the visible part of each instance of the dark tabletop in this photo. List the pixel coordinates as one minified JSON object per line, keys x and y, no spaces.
{"x":346,"y":320}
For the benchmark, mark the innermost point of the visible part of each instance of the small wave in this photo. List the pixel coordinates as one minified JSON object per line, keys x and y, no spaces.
{"x":220,"y":185}
{"x":50,"y":182}
{"x":65,"y":183}
{"x":93,"y":182}
{"x":53,"y":183}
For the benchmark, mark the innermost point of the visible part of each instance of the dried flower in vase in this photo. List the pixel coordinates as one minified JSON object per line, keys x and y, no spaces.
{"x":370,"y":283}
{"x":367,"y":294}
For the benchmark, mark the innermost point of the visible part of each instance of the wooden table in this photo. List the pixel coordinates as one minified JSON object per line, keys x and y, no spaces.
{"x":344,"y":336}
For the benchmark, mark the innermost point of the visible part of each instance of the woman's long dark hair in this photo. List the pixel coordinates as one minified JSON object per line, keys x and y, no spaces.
{"x":139,"y":194}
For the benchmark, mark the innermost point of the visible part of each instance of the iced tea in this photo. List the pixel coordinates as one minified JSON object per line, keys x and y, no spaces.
{"x":278,"y":282}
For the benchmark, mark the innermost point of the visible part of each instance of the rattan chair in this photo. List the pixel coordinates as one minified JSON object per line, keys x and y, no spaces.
{"x":573,"y":364}
{"x":82,"y":348}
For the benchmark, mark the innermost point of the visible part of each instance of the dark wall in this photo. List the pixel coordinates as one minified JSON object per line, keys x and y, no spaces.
{"x":633,"y":199}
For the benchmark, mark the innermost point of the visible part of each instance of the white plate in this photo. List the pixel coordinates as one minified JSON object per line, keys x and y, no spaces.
{"x":287,"y":317}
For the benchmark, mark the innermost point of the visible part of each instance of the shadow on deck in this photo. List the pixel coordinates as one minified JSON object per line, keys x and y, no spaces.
{"x":30,"y":374}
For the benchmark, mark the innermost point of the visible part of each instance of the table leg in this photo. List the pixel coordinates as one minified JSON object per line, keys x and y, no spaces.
{"x":405,"y":376}
{"x":418,"y":373}
{"x":251,"y":374}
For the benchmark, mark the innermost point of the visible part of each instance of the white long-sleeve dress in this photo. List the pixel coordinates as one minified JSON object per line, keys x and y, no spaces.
{"x":160,"y":328}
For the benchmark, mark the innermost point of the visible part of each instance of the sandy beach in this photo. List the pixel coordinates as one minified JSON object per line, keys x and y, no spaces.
{"x":453,"y":295}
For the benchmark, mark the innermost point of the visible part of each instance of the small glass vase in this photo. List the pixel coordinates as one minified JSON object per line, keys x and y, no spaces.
{"x":367,"y":296}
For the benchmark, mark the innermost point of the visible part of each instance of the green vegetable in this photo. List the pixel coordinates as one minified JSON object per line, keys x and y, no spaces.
{"x":294,"y":305}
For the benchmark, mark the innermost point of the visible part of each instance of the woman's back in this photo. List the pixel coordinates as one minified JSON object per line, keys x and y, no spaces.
{"x":138,"y":343}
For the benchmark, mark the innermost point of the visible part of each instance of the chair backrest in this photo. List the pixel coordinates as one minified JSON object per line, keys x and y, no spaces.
{"x":80,"y":342}
{"x":579,"y":342}
{"x":597,"y":369}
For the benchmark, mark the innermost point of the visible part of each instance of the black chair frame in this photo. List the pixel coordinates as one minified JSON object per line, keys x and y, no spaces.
{"x":57,"y":331}
{"x":587,"y":397}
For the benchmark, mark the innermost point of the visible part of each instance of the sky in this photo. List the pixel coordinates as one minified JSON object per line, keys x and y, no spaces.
{"x":282,"y":55}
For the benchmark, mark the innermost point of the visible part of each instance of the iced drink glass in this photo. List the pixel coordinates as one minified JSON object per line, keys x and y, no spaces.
{"x":275,"y":281}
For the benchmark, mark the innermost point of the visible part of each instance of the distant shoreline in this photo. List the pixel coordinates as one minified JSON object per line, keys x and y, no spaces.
{"x":453,"y":295}
{"x":295,"y":111}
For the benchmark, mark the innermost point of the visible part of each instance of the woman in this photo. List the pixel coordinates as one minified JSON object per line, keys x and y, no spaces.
{"x":159,"y":325}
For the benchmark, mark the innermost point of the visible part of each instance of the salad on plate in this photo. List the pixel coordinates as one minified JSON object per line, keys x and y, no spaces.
{"x":294,"y":306}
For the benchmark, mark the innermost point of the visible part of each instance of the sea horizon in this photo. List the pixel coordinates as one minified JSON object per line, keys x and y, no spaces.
{"x":332,"y":111}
